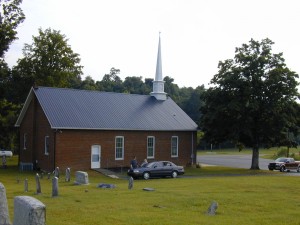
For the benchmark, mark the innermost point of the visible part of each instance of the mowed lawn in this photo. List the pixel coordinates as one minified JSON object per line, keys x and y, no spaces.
{"x":244,"y":197}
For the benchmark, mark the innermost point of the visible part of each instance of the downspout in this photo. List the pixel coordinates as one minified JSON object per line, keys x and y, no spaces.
{"x":192,"y":155}
{"x":54,"y":148}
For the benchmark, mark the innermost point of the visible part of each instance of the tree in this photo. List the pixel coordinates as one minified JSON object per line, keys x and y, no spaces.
{"x":134,"y":85}
{"x":171,"y":88}
{"x":11,"y":15}
{"x":88,"y":84}
{"x":48,"y":61}
{"x":192,"y":101}
{"x":252,"y":101}
{"x":111,"y":82}
{"x":8,"y":116}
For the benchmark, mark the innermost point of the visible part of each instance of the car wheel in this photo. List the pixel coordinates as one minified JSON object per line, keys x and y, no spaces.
{"x":271,"y":169}
{"x":174,"y":174}
{"x":298,"y":169}
{"x":146,"y":175}
{"x":282,"y":169}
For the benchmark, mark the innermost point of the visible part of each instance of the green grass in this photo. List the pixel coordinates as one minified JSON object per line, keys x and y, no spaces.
{"x":244,"y":197}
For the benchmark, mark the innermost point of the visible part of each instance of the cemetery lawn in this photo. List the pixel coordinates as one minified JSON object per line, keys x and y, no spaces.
{"x":244,"y":198}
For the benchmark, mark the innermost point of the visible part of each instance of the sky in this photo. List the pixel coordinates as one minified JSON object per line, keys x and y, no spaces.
{"x":195,"y":34}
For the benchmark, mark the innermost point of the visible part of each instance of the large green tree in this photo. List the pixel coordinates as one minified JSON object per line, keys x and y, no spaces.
{"x":252,"y":100}
{"x":48,"y":61}
{"x":11,"y":15}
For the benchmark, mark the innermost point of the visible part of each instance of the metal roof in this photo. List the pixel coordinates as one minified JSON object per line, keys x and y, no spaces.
{"x":84,"y":109}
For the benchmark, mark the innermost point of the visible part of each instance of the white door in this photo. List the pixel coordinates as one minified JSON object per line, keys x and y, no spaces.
{"x":95,"y":156}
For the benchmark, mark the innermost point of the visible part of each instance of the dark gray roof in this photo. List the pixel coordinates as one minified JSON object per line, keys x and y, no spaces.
{"x":82,"y":109}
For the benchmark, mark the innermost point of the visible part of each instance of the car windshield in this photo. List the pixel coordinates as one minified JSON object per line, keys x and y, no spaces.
{"x":148,"y":165}
{"x":281,"y":160}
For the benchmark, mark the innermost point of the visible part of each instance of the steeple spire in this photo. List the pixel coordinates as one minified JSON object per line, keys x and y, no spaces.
{"x":158,"y":74}
{"x":158,"y":83}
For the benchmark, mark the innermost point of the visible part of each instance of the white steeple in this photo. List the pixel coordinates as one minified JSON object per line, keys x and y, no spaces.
{"x":158,"y":83}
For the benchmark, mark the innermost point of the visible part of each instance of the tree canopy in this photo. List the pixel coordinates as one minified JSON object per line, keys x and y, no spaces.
{"x":48,"y":61}
{"x":11,"y":15}
{"x":252,"y":101}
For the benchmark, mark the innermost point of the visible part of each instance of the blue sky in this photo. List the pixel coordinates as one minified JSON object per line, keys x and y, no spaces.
{"x":195,"y":34}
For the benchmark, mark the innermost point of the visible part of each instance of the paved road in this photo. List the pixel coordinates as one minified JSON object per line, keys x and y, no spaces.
{"x":236,"y":161}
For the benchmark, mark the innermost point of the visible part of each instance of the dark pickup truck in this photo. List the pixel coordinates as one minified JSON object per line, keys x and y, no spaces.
{"x":285,"y":164}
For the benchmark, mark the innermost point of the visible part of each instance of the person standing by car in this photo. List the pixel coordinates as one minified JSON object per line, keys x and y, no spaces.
{"x":144,"y":163}
{"x":133,"y":163}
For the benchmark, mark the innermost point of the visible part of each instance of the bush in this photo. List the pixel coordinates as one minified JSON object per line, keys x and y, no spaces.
{"x":281,"y":152}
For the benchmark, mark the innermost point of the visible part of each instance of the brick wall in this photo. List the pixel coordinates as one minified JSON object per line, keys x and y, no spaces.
{"x":36,"y":126}
{"x":73,"y":147}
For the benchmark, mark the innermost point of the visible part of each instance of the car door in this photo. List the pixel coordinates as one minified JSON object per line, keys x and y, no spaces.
{"x":167,"y":168}
{"x":157,"y":169}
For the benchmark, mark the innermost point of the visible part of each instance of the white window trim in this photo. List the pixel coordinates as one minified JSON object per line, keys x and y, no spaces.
{"x":151,"y":157}
{"x":174,"y":156}
{"x":47,"y":147}
{"x":122,"y":137}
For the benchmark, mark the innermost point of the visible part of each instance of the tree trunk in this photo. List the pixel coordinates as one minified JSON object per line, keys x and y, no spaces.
{"x":255,"y":158}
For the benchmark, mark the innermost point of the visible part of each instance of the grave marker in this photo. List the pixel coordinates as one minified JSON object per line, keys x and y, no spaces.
{"x":38,"y":184}
{"x":81,"y":178}
{"x":29,"y":211}
{"x":4,"y":215}
{"x":54,"y":187}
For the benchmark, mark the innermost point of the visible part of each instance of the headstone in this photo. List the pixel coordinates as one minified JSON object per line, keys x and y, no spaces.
{"x":212,"y":208}
{"x":56,"y":172}
{"x":29,"y":211}
{"x":130,"y":183}
{"x":3,"y":161}
{"x":81,"y":177}
{"x":68,"y":175}
{"x":148,"y":189}
{"x":54,"y":187}
{"x":4,"y":215}
{"x":48,"y":176}
{"x":42,"y":175}
{"x":38,"y":184}
{"x":26,"y":185}
{"x":106,"y":186}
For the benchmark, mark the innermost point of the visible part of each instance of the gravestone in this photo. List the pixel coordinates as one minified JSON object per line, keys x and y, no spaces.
{"x":110,"y":186}
{"x":26,"y":185}
{"x":68,"y":175}
{"x":48,"y":176}
{"x":4,"y":215}
{"x":38,"y":184}
{"x":81,"y":178}
{"x":148,"y":189}
{"x":29,"y":211}
{"x":212,"y":208}
{"x":54,"y":187}
{"x":130,"y":183}
{"x":56,"y":172}
{"x":4,"y":161}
